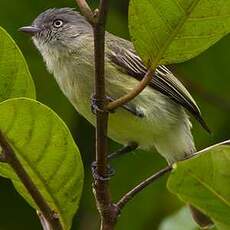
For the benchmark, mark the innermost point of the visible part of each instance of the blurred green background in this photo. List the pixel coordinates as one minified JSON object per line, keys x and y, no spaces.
{"x":208,"y":79}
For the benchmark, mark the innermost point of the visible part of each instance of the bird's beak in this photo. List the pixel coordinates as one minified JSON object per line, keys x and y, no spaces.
{"x":31,"y":30}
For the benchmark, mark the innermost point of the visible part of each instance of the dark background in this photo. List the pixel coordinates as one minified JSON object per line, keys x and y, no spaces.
{"x":206,"y":77}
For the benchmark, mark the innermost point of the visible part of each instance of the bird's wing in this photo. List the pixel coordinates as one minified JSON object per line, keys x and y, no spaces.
{"x":122,"y":54}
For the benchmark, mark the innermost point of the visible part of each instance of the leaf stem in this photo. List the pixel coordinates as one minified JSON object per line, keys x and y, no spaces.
{"x":11,"y":158}
{"x":132,"y":193}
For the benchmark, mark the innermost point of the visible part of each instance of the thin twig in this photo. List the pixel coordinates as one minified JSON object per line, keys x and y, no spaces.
{"x":86,"y":11}
{"x":13,"y":161}
{"x":134,"y":92}
{"x":128,"y":196}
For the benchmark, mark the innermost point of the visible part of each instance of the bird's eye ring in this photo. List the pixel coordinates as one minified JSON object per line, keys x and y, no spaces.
{"x":58,"y":23}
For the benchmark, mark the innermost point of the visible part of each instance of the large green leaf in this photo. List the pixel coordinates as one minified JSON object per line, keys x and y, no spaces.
{"x":44,"y":146}
{"x":204,"y":181}
{"x":15,"y":77}
{"x":172,"y":31}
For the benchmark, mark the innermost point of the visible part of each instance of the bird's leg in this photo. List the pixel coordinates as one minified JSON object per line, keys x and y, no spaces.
{"x":130,"y":108}
{"x":124,"y":150}
{"x":95,"y":105}
{"x":96,"y":176}
{"x":110,"y":171}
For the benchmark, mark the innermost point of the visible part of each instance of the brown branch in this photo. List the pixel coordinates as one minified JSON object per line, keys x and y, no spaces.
{"x":86,"y":11}
{"x":103,"y":197}
{"x":105,"y":206}
{"x":133,"y":93}
{"x":11,"y":158}
{"x":132,"y":193}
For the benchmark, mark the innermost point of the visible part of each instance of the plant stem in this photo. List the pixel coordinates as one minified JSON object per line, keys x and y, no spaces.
{"x":107,"y":210}
{"x":130,"y":195}
{"x":103,"y":197}
{"x":11,"y":158}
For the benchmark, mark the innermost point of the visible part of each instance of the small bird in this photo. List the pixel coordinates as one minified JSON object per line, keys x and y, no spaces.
{"x":156,"y":119}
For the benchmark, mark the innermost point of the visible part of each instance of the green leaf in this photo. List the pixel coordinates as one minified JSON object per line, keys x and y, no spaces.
{"x":46,"y":149}
{"x":15,"y":77}
{"x":180,"y":220}
{"x":172,"y":31}
{"x":204,"y":181}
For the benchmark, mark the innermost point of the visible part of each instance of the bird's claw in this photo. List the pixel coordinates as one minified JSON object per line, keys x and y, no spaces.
{"x":96,"y":176}
{"x":95,"y":105}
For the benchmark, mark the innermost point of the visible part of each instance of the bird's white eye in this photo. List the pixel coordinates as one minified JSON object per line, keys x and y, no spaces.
{"x":58,"y":23}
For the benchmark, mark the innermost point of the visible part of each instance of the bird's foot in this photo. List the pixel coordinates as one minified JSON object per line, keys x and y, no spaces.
{"x":96,"y":176}
{"x":97,"y":104}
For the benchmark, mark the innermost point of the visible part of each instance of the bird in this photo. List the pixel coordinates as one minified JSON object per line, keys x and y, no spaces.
{"x":156,"y":119}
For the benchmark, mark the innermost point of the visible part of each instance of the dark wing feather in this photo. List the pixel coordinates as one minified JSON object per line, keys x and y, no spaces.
{"x":126,"y":60}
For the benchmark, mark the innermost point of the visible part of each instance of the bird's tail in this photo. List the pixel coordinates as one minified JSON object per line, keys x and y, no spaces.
{"x":200,"y":218}
{"x":203,"y":221}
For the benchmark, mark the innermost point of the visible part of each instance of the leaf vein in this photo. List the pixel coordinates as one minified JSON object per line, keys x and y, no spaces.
{"x":210,"y":189}
{"x":175,"y":32}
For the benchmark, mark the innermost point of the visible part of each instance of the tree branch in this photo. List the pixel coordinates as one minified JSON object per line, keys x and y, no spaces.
{"x":132,"y":193}
{"x":107,"y":210}
{"x":133,"y":93}
{"x":11,"y":158}
{"x":103,"y":197}
{"x":101,"y":187}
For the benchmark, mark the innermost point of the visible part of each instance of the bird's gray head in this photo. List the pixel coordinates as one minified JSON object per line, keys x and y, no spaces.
{"x":57,"y":27}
